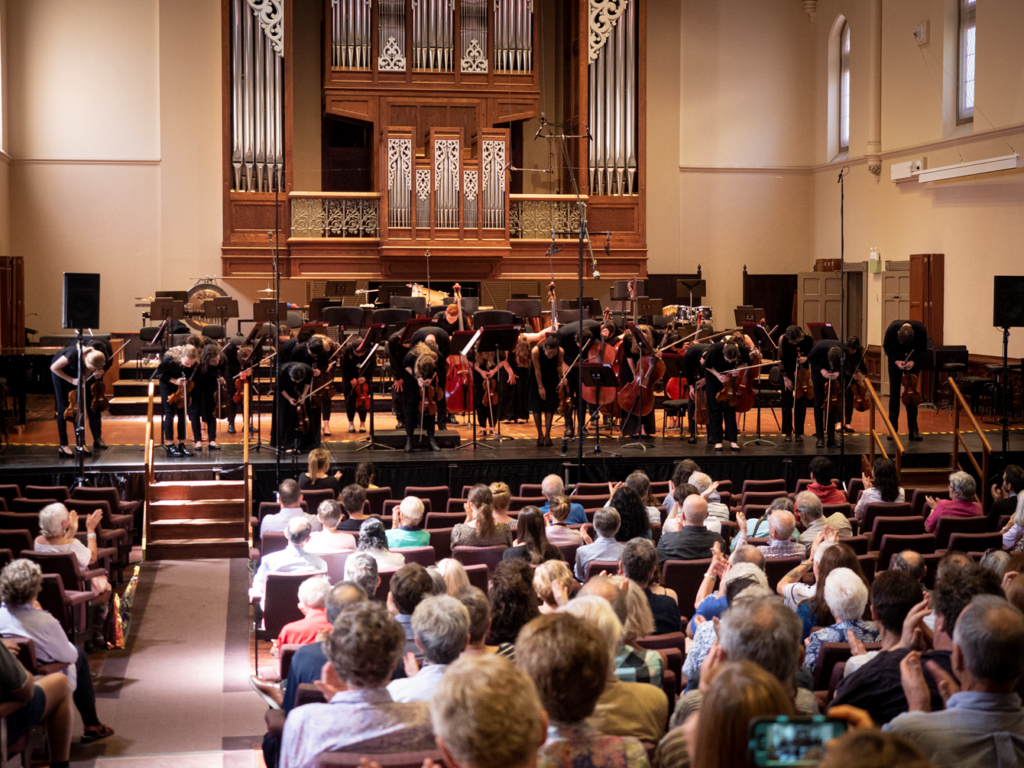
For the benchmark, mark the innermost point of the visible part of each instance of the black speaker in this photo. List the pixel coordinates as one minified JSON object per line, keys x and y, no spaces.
{"x":81,"y":300}
{"x":1008,"y":301}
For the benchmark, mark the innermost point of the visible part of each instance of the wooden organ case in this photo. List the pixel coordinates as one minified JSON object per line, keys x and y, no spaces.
{"x":443,"y":89}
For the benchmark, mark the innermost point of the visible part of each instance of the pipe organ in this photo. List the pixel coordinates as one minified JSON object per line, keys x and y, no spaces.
{"x":444,"y":91}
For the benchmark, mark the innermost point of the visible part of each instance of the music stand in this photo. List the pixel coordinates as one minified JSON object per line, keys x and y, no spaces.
{"x":674,"y":370}
{"x":166,"y":309}
{"x":474,"y":339}
{"x":694,"y":287}
{"x":339,"y":289}
{"x":373,"y":335}
{"x":748,"y":314}
{"x":821,"y":331}
{"x":761,"y":338}
{"x":415,"y":304}
{"x":601,"y":376}
{"x":221,"y":308}
{"x":500,"y":338}
{"x":648,"y":308}
{"x":524,"y":308}
{"x":264,"y":311}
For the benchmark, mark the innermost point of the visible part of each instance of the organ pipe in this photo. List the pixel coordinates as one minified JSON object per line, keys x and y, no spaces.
{"x":613,"y":105}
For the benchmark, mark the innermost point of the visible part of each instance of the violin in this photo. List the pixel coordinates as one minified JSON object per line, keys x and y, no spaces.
{"x":71,"y":412}
{"x":178,"y":396}
{"x":99,"y":402}
{"x":363,"y":398}
{"x":564,"y":398}
{"x":429,"y":395}
{"x":832,"y":397}
{"x":323,"y":385}
{"x":729,"y":394}
{"x":700,"y":405}
{"x":747,"y":384}
{"x":803,"y":386}
{"x":301,"y":418}
{"x":240,"y":385}
{"x":859,"y":393}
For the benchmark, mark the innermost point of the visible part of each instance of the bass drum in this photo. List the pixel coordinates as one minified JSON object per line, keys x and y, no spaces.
{"x":198,"y":295}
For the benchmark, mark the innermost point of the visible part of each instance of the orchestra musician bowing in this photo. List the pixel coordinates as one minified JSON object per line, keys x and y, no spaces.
{"x":904,"y":342}
{"x":232,"y":367}
{"x":829,"y":378}
{"x":448,"y":321}
{"x":356,"y":380}
{"x":203,"y":398}
{"x":292,"y":426}
{"x":568,"y":336}
{"x":485,"y":389}
{"x":313,"y":354}
{"x":632,"y":351}
{"x":421,"y":391}
{"x":693,"y":369}
{"x":65,"y":370}
{"x":173,"y":373}
{"x":719,"y":363}
{"x":794,"y":347}
{"x":548,"y":360}
{"x":328,"y":363}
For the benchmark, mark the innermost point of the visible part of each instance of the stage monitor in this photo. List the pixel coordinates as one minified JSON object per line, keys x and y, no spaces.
{"x":1008,"y":302}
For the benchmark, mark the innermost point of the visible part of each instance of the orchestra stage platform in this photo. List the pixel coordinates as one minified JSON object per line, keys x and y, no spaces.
{"x":512,"y":461}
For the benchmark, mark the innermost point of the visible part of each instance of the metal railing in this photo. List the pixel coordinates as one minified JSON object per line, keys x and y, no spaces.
{"x":148,"y":468}
{"x":335,"y":214}
{"x":959,"y":404}
{"x":875,"y":439}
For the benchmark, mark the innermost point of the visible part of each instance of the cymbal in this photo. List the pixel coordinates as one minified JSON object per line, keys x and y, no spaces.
{"x":265,"y":290}
{"x":145,"y":298}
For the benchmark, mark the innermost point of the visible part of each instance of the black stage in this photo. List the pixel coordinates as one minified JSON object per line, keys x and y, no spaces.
{"x":511,"y":461}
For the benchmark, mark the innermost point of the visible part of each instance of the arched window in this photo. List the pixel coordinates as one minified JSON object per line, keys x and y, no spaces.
{"x":965,"y":80}
{"x":844,"y":89}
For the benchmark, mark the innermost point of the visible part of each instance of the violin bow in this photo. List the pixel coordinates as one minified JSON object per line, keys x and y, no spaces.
{"x":712,"y":336}
{"x":567,"y":370}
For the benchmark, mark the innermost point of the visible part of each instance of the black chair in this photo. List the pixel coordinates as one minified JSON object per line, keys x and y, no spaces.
{"x":492,"y":317}
{"x":214,"y":332}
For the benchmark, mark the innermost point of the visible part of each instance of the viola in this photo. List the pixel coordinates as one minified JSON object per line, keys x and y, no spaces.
{"x":911,"y":390}
{"x":301,"y":418}
{"x":99,"y":402}
{"x":363,"y":398}
{"x":429,"y":395}
{"x":729,"y":394}
{"x":178,"y":396}
{"x":700,"y":404}
{"x":564,"y":398}
{"x":240,"y":385}
{"x":859,"y":392}
{"x":803,"y":386}
{"x":832,"y":396}
{"x":602,"y":353}
{"x":71,"y":412}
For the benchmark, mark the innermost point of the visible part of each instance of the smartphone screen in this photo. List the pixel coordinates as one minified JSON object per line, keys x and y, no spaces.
{"x":792,"y":740}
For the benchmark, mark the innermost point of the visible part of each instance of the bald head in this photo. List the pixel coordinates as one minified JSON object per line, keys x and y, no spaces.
{"x":781,"y":525}
{"x":695,"y":510}
{"x":552,"y":487}
{"x":601,"y":586}
{"x":747,"y":554}
{"x":910,"y":562}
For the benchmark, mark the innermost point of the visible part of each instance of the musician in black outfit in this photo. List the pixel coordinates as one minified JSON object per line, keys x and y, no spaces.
{"x":174,"y":370}
{"x":904,"y":342}
{"x":723,"y":357}
{"x":794,"y":347}
{"x":438,"y":339}
{"x":330,"y":362}
{"x":824,"y":361}
{"x":485,"y":369}
{"x":203,"y":399}
{"x":419,"y":369}
{"x":293,"y":387}
{"x":352,"y":357}
{"x":313,"y":354}
{"x":64,"y":370}
{"x":547,"y":360}
{"x":448,"y":321}
{"x":693,"y":369}
{"x":232,"y":367}
{"x":632,"y":351}
{"x":567,"y":335}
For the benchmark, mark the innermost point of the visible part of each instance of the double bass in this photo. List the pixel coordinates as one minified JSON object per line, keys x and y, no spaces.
{"x":457,"y":390}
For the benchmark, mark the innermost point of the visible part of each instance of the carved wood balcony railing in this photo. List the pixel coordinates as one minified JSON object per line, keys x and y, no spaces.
{"x":342,"y":215}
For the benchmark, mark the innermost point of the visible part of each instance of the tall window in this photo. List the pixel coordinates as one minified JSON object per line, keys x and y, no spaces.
{"x":844,"y":88}
{"x":965,"y":100}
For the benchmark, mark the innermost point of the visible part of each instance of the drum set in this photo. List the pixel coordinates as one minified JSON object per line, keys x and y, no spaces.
{"x":687,"y":315}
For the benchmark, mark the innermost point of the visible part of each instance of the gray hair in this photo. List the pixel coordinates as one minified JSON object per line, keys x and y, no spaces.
{"x":313,"y":591}
{"x":20,"y":582}
{"x":343,"y":594}
{"x":745,"y":571}
{"x":809,"y":506}
{"x":700,"y":481}
{"x":747,"y":553}
{"x":298,"y":530}
{"x":846,"y":595}
{"x":990,"y":634}
{"x":365,"y":645}
{"x":996,"y":561}
{"x":371,"y":535}
{"x":552,"y":487}
{"x":51,"y":520}
{"x":412,"y":510}
{"x":362,"y":569}
{"x":607,"y":521}
{"x":609,"y":589}
{"x":440,"y":587}
{"x":782,"y":523}
{"x":441,"y":624}
{"x":329,"y":513}
{"x":784,"y":504}
{"x":909,"y":561}
{"x":963,"y":486}
{"x":599,"y":611}
{"x":762,"y":630}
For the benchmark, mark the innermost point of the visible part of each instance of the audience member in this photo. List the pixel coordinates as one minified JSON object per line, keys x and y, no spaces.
{"x":893,"y":596}
{"x":910,"y":562}
{"x":1015,"y":592}
{"x":847,"y":598}
{"x":318,"y":476}
{"x":781,"y":526}
{"x":760,"y":527}
{"x":45,"y":699}
{"x":454,"y":574}
{"x":633,"y":520}
{"x":312,"y":596}
{"x":21,"y":581}
{"x":567,"y":659}
{"x":558,"y":532}
{"x":290,"y":498}
{"x":513,"y":603}
{"x":361,"y":568}
{"x":959,"y":504}
{"x":1004,"y":495}
{"x":605,"y":546}
{"x":675,"y":520}
{"x":868,"y":748}
{"x":876,"y":687}
{"x":501,"y":498}
{"x":996,"y":561}
{"x":292,"y":559}
{"x":639,"y":563}
{"x":480,"y":530}
{"x":640,"y":484}
{"x":623,"y":709}
{"x":441,"y":627}
{"x":705,"y":488}
{"x":353,"y":501}
{"x":882,"y":488}
{"x":509,"y":725}
{"x":708,"y":604}
{"x":364,"y":648}
{"x":553,"y":580}
{"x":437,"y":580}
{"x":553,"y":489}
{"x":812,"y":516}
{"x":364,"y":476}
{"x":1013,"y":531}
{"x":632,"y":664}
{"x":475,"y":601}
{"x":531,"y":539}
{"x":680,"y":476}
{"x":407,"y":525}
{"x":409,"y":585}
{"x":57,"y":529}
{"x":374,"y":542}
{"x":330,"y":540}
{"x":694,"y":541}
{"x":982,"y":723}
{"x":822,"y":472}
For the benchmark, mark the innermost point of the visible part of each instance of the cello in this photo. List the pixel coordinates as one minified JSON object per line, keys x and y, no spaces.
{"x":650,"y":369}
{"x":601,"y":354}
{"x":457,"y":392}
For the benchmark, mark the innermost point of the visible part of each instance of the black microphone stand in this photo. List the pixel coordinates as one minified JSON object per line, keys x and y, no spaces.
{"x":842,"y":321}
{"x":80,"y":416}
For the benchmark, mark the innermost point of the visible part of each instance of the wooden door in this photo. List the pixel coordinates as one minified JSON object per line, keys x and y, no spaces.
{"x":818,"y":298}
{"x":895,"y":306}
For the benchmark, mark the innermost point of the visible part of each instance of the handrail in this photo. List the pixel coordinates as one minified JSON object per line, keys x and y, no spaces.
{"x":876,"y":405}
{"x":335,"y":195}
{"x":245,"y":424}
{"x":148,"y":467}
{"x":958,"y":440}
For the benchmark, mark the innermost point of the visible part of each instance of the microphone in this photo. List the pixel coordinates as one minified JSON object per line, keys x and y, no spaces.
{"x":593,"y":258}
{"x":540,"y":130}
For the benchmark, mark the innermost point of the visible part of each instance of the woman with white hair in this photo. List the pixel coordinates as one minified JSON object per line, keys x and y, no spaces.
{"x":960,"y":503}
{"x":407,"y":525}
{"x":57,"y":528}
{"x":847,"y":597}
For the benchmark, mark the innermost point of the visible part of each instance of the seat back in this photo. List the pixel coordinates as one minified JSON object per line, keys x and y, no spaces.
{"x":761,"y":486}
{"x":801,"y":485}
{"x":892,"y":544}
{"x":949,"y":525}
{"x":859,"y":544}
{"x":85,"y":507}
{"x":314,"y":497}
{"x":975,"y":542}
{"x":281,"y":605}
{"x":901,"y":526}
{"x":9,"y":493}
{"x":777,"y":567}
{"x":62,"y":564}
{"x":441,"y":541}
{"x":346,"y":317}
{"x":423,"y":555}
{"x":478,"y":575}
{"x":392,"y":760}
{"x":58,"y":492}
{"x":844,"y":508}
{"x":521,"y":502}
{"x":761,"y":497}
{"x":444,"y":519}
{"x":593,"y":501}
{"x":868,"y":564}
{"x":530,"y":489}
{"x":659,"y":487}
{"x":385,"y":583}
{"x":919,"y":497}
{"x":52,"y":599}
{"x":882,"y":509}
{"x":17,"y":541}
{"x":684,"y":576}
{"x":590,"y":489}
{"x":15,"y":521}
{"x":6,"y":556}
{"x":31,"y":506}
{"x":376,"y":498}
{"x":272,"y":541}
{"x":831,"y":654}
{"x":489,"y":556}
{"x":335,"y":565}
{"x":454,"y":505}
{"x":390,"y":504}
{"x":272,"y":508}
{"x":109,"y":495}
{"x":438,"y":495}
{"x":595,"y":567}
{"x":754,"y":511}
{"x":854,"y":489}
{"x":569,"y":553}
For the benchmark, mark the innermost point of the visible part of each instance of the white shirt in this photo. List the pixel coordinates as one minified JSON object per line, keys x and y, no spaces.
{"x":291,"y":559}
{"x":46,"y":634}
{"x":386,"y":561}
{"x":278,"y":522}
{"x":796,"y":593}
{"x":76,"y":548}
{"x":420,"y":687}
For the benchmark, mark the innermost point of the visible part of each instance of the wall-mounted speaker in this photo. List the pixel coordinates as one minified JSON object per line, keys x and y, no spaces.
{"x":1008,"y":301}
{"x":81,"y":300}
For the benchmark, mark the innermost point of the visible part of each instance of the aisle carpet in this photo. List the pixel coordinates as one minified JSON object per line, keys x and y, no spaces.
{"x":178,"y":693}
